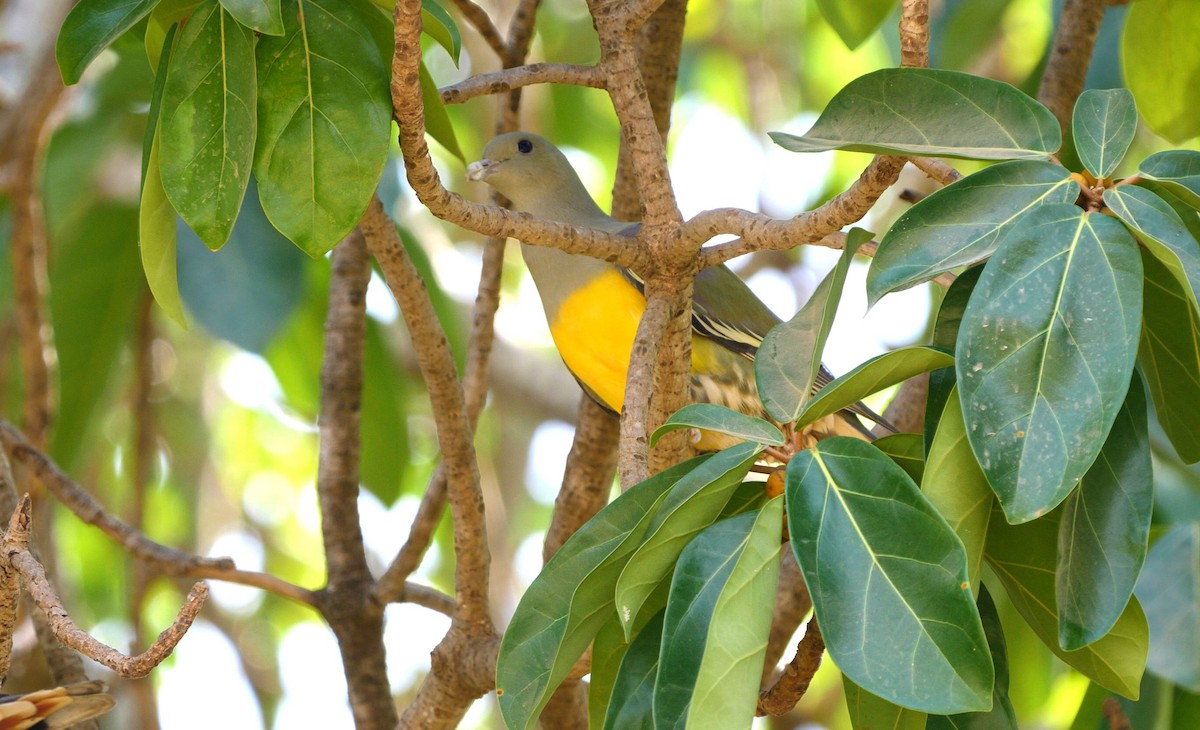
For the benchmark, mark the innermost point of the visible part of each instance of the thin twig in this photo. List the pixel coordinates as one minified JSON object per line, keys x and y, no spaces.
{"x":499,"y":82}
{"x":482,"y":23}
{"x":1070,"y":55}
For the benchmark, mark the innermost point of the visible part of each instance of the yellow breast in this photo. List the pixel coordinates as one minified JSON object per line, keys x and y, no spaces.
{"x":594,"y":330}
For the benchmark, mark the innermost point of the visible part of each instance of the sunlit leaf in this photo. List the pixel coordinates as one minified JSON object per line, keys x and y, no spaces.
{"x":1023,"y":557}
{"x":693,"y":504}
{"x":962,"y":223}
{"x":855,"y":20}
{"x":1102,"y":126}
{"x":438,"y":25}
{"x":263,"y":16}
{"x":571,"y":599}
{"x":956,"y":487}
{"x":1159,"y":60}
{"x":1046,"y":351}
{"x":90,"y":27}
{"x":1169,"y":588}
{"x":1169,"y":355}
{"x":789,"y":358}
{"x":895,"y":606}
{"x":323,"y":123}
{"x":1104,"y":529}
{"x":717,"y":622}
{"x":710,"y":417}
{"x":917,"y":111}
{"x":872,"y":376}
{"x":1178,"y":171}
{"x":209,"y":122}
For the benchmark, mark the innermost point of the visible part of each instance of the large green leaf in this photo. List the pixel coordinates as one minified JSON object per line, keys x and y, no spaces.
{"x":872,"y":376}
{"x":633,"y":686}
{"x":439,"y":25}
{"x":1023,"y":557}
{"x":1102,"y":127}
{"x":209,"y":122}
{"x":571,"y":598}
{"x":956,"y":487}
{"x":263,"y":16}
{"x":717,"y":622}
{"x":1046,"y":351}
{"x":1160,"y":60}
{"x":907,"y":450}
{"x":962,"y":223}
{"x":710,"y":417}
{"x":918,"y":111}
{"x":166,"y":14}
{"x":609,"y":650}
{"x":1169,"y":588}
{"x":693,"y":504}
{"x":855,"y":20}
{"x":894,"y":604}
{"x":90,"y":27}
{"x":1104,"y":529}
{"x":1161,"y":230}
{"x":1178,"y":171}
{"x":1001,"y":716}
{"x":324,"y":120}
{"x":871,"y":712}
{"x":1169,"y":355}
{"x":789,"y":358}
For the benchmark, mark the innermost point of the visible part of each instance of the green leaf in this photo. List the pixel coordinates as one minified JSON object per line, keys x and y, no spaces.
{"x":156,"y":240}
{"x":572,"y":597}
{"x":1046,"y":351}
{"x":438,"y":25}
{"x":1023,"y":557}
{"x":156,"y":215}
{"x":855,"y":20}
{"x":1169,"y":355}
{"x":789,"y":358}
{"x":895,"y":605}
{"x":166,"y":13}
{"x":1161,"y":230}
{"x":90,"y":27}
{"x":263,"y":16}
{"x":872,"y":376}
{"x":918,"y":111}
{"x":945,"y":335}
{"x":1169,"y":588}
{"x":871,"y":712}
{"x":246,"y":293}
{"x":437,"y":119}
{"x":208,"y":123}
{"x":693,"y":504}
{"x":323,"y":123}
{"x":717,"y":621}
{"x":956,"y":487}
{"x":1176,"y":170}
{"x":96,"y":285}
{"x":907,"y":450}
{"x":1102,"y":126}
{"x":962,"y":223}
{"x":609,"y":650}
{"x":710,"y":417}
{"x":1159,"y":59}
{"x":633,"y":686}
{"x":1001,"y":716}
{"x":1104,"y":530}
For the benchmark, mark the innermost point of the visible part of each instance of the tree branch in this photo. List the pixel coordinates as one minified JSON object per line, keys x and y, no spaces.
{"x":797,"y":675}
{"x":1070,"y":55}
{"x":499,"y":82}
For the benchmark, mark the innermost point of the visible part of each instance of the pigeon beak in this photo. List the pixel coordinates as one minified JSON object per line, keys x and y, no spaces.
{"x":479,"y":170}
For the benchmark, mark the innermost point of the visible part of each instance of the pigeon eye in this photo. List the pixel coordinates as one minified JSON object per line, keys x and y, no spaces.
{"x":525,"y":146}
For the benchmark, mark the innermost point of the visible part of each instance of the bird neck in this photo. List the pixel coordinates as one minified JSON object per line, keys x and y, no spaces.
{"x":557,"y":274}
